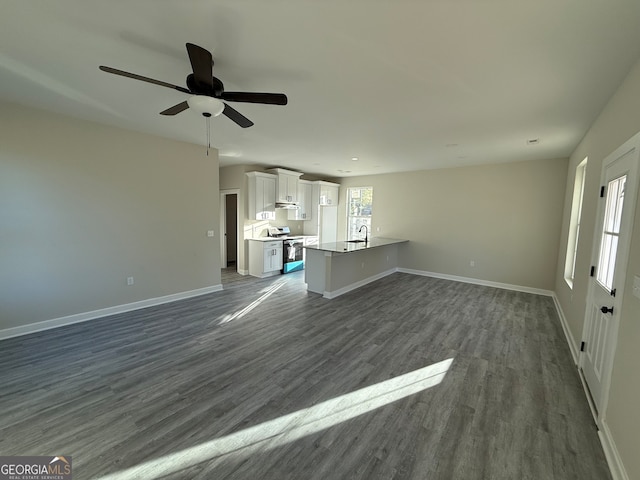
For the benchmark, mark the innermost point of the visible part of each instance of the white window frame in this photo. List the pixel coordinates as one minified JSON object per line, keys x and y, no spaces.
{"x":574,"y":223}
{"x":354,"y":222}
{"x":611,"y":232}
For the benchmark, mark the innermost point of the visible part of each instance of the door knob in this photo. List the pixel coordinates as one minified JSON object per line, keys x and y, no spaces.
{"x":607,"y":310}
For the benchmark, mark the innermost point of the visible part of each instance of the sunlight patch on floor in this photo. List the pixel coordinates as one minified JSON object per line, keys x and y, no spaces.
{"x":241,"y":313}
{"x":290,"y":427}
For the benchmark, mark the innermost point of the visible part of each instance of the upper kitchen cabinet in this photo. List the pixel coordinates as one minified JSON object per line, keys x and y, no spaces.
{"x":305,"y":202}
{"x":328,"y":192}
{"x":262,"y":196}
{"x":287,"y":185}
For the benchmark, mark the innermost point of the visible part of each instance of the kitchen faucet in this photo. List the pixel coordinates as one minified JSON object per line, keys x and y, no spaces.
{"x":366,"y":232}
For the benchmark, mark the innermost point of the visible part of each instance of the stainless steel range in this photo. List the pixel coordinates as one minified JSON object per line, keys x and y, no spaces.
{"x":292,"y":249}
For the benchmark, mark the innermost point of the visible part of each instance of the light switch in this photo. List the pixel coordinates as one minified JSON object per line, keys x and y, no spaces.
{"x":209,"y":233}
{"x":636,"y":286}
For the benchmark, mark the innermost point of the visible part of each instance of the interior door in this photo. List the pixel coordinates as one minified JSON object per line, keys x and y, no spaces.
{"x":610,"y":254}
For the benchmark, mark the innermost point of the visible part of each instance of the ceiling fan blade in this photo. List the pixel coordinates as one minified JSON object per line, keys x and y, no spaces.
{"x":236,"y":116}
{"x":202,"y":64}
{"x":122,"y":73}
{"x":252,"y":97}
{"x":181,"y":107}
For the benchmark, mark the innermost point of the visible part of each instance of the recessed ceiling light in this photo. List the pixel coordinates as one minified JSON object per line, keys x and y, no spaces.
{"x":354,"y":159}
{"x":533,"y":141}
{"x":344,"y":171}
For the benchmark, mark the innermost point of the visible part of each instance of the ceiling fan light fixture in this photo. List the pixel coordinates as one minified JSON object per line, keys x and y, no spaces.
{"x":207,"y":106}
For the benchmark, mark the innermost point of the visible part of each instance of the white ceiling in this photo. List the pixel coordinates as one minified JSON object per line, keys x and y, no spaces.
{"x":402,"y":85}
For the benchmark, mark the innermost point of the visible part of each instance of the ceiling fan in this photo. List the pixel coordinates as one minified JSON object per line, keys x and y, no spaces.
{"x":207,"y":92}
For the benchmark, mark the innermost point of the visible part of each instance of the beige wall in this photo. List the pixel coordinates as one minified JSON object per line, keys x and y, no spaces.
{"x":84,"y":206}
{"x":505,"y":217}
{"x":618,"y":122}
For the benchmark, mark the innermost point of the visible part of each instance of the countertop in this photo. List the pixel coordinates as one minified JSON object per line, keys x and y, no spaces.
{"x":288,"y":237}
{"x":347,"y":247}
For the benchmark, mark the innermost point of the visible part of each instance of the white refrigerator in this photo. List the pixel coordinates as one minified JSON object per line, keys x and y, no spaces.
{"x":324,"y":224}
{"x":327,"y":224}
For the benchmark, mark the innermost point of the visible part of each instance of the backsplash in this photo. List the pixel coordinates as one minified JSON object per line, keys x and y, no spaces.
{"x":258,"y":228}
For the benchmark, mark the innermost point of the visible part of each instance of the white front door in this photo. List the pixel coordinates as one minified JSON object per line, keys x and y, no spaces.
{"x":610,"y":255}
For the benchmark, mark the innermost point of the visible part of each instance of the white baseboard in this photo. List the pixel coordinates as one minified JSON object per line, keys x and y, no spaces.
{"x":358,"y":284}
{"x":243,"y":272}
{"x":616,"y":466}
{"x":476,"y":281}
{"x":103,"y":312}
{"x":573,"y":346}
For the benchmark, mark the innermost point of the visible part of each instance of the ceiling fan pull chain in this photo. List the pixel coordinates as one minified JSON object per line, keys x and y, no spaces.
{"x":208,"y":134}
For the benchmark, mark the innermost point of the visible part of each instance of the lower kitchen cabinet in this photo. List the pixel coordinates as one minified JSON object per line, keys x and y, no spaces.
{"x":265,"y":258}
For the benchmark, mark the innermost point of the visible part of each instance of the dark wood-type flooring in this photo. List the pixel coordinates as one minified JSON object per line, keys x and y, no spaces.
{"x":253,"y":383}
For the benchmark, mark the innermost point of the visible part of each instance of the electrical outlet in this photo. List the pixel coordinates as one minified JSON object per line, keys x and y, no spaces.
{"x":472,"y":263}
{"x":129,"y":280}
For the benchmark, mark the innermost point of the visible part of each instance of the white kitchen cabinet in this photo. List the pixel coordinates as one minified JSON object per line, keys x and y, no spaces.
{"x":325,"y":211}
{"x":326,"y":193}
{"x":265,"y":258}
{"x":329,"y":193}
{"x":262,"y":196}
{"x":287,"y":185}
{"x":305,"y":202}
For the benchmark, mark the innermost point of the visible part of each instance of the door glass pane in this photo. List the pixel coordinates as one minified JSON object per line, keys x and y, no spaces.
{"x":618,"y":214}
{"x":609,"y":241}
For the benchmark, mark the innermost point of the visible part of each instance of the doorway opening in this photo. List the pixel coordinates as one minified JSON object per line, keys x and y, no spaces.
{"x":229,"y":219}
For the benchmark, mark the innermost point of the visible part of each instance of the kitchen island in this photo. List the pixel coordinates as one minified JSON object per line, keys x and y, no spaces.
{"x":332,"y":269}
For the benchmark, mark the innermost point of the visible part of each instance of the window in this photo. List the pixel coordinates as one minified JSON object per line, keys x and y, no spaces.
{"x":359,"y":210}
{"x":611,"y":231}
{"x":574,"y":225}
